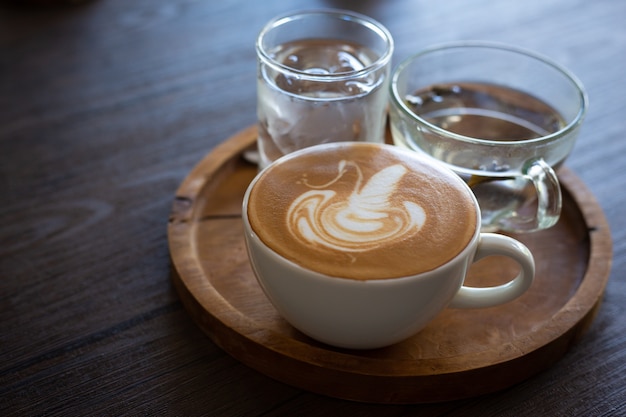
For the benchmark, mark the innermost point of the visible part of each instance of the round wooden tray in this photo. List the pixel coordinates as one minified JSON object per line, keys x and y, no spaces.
{"x":462,"y":353}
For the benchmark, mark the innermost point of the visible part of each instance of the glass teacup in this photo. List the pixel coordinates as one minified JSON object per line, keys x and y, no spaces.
{"x":502,"y":118}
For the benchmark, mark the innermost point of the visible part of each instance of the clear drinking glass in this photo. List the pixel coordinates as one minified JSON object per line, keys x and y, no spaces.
{"x":322,"y":77}
{"x":501,"y":117}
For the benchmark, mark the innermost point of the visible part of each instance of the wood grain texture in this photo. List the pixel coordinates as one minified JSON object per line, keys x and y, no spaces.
{"x":104,"y":110}
{"x":498,"y":346}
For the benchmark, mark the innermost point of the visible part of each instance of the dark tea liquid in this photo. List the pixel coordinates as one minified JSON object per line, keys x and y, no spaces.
{"x":485,"y":111}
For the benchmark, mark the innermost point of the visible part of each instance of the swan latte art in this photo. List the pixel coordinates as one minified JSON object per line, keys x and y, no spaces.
{"x":362,"y":211}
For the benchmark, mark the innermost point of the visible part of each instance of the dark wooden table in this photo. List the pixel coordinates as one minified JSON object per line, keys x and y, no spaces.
{"x":104,"y":109}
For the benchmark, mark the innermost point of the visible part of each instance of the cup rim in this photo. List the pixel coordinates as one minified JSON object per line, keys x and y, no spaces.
{"x":339,"y":14}
{"x":459,"y":257}
{"x":577,"y":120}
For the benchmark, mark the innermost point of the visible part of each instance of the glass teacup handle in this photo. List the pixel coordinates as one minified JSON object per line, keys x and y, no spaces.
{"x":549,"y":199}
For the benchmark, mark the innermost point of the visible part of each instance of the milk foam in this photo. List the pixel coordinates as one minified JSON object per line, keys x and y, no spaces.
{"x":362,"y":220}
{"x":362,"y":211}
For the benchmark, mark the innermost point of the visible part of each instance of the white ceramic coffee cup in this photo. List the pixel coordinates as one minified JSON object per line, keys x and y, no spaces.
{"x":373,"y":313}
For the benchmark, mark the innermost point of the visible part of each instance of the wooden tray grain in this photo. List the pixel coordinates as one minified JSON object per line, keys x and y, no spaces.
{"x":462,"y":353}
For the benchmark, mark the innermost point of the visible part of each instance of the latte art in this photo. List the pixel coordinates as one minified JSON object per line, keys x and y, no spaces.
{"x":359,"y":222}
{"x":361,"y":211}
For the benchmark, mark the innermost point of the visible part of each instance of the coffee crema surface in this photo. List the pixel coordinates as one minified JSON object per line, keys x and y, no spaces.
{"x":362,"y":211}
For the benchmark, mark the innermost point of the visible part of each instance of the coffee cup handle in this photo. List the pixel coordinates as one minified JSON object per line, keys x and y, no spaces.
{"x":549,"y":199}
{"x":481,"y":297}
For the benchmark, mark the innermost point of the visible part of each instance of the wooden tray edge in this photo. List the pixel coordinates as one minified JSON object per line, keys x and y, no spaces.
{"x":600,"y":254}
